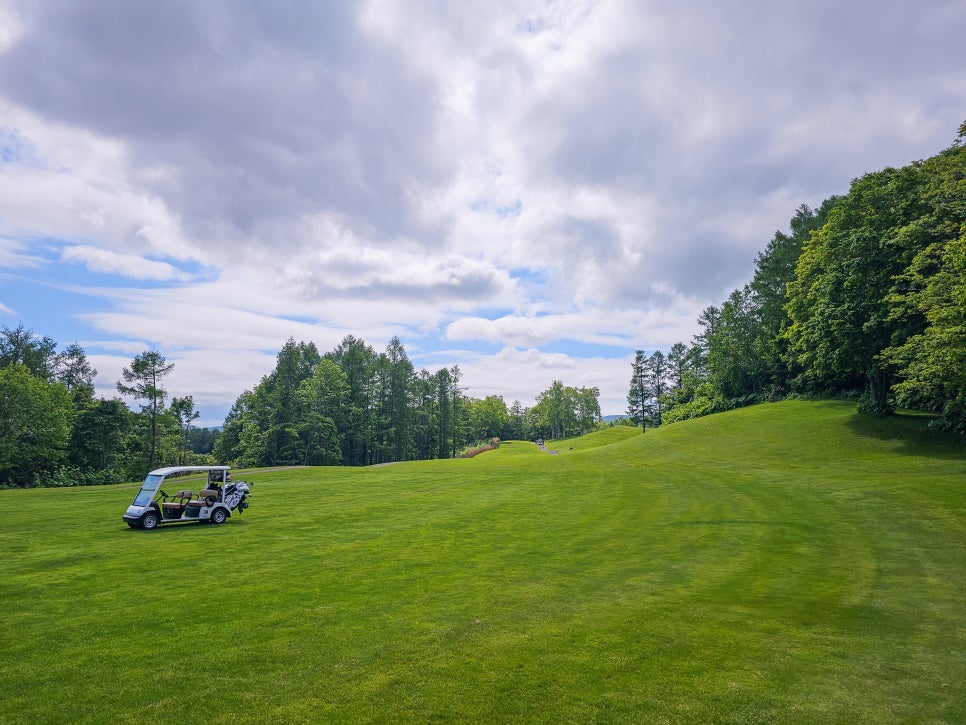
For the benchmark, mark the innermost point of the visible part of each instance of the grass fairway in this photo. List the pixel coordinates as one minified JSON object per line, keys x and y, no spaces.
{"x":788,"y":562}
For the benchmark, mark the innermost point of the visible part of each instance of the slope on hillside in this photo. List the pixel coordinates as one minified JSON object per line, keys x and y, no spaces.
{"x":795,"y":435}
{"x":788,"y":562}
{"x":596,"y":439}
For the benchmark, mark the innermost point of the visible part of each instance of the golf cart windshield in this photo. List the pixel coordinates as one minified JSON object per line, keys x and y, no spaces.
{"x":148,"y":488}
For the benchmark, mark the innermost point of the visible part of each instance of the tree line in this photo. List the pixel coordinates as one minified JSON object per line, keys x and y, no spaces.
{"x":54,"y":432}
{"x":350,"y":406}
{"x":353,"y":406}
{"x":865,"y":297}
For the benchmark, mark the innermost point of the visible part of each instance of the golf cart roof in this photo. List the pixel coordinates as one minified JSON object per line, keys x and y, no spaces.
{"x":185,"y":469}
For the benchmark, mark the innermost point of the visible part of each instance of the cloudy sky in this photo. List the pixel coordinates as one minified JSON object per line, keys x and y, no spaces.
{"x":529,"y":190}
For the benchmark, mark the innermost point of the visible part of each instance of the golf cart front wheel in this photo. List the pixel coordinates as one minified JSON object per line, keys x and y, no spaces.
{"x":149,"y":521}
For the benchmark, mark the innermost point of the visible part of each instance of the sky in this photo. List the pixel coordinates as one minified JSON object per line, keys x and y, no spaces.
{"x":529,"y":190}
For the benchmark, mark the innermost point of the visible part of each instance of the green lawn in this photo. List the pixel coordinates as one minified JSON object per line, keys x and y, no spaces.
{"x":787,"y":562}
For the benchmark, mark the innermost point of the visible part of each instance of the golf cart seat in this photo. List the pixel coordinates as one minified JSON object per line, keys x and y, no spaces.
{"x":184,"y":496}
{"x":204,"y":496}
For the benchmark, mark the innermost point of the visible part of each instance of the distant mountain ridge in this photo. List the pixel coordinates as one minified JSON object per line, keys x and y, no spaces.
{"x":612,"y":418}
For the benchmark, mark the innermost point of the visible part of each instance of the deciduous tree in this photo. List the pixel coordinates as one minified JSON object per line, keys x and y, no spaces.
{"x":183,"y":410}
{"x":21,"y":346}
{"x":34,"y":425}
{"x":98,"y":438}
{"x":488,"y":418}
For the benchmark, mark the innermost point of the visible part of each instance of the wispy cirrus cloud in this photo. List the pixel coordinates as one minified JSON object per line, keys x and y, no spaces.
{"x":104,"y":261}
{"x":18,"y":255}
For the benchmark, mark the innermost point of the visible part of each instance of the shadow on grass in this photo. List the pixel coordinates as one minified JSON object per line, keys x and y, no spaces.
{"x":199,"y":527}
{"x":911,"y":434}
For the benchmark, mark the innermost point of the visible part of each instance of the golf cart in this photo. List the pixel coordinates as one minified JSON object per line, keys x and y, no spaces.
{"x":214,"y":503}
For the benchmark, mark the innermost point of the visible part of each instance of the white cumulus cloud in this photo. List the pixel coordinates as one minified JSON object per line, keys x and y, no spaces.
{"x":583,"y":175}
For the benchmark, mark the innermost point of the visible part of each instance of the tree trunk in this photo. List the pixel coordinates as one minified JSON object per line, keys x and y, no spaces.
{"x":879,"y":385}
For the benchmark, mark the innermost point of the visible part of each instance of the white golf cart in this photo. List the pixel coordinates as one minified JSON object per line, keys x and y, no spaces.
{"x":214,"y":502}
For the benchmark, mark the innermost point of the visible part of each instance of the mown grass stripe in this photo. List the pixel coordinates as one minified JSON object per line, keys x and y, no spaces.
{"x":786,"y":562}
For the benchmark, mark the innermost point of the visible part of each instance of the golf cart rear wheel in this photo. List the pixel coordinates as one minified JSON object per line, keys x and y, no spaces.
{"x":149,"y":521}
{"x":218,"y":516}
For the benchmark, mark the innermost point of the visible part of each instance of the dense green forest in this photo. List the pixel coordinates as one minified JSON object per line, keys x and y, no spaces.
{"x":54,"y":432}
{"x":350,"y":406}
{"x":353,"y":406}
{"x":865,"y":297}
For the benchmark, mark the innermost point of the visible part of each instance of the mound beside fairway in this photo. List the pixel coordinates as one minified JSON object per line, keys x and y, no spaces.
{"x":790,"y":562}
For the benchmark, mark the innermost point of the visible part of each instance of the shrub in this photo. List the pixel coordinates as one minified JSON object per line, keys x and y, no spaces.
{"x":67,"y":476}
{"x":476,"y":450}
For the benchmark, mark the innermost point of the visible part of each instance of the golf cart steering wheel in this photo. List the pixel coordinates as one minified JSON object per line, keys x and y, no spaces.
{"x":163,"y":494}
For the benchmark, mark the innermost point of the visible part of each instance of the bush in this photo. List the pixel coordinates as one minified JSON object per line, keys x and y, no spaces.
{"x":706,"y":402}
{"x":67,"y":476}
{"x":476,"y":450}
{"x":694,"y":409}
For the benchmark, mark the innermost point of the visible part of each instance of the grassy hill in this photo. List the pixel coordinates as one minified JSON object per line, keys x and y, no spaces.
{"x":787,"y":562}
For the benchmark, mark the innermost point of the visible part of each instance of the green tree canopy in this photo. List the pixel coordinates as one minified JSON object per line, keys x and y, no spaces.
{"x":20,"y":346}
{"x":488,"y":418}
{"x":34,"y":425}
{"x":98,"y":438}
{"x":858,"y":295}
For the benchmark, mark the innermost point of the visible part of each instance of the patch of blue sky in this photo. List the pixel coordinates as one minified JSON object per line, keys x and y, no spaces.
{"x":588,"y":349}
{"x":532,"y":281}
{"x":528,"y":275}
{"x":435,"y":343}
{"x":301,"y":319}
{"x":532,"y":26}
{"x":492,"y":313}
{"x":485,"y":205}
{"x":194,"y":269}
{"x":47,"y":309}
{"x":53,"y":298}
{"x":15,"y":149}
{"x":512,"y":209}
{"x":444,"y":356}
